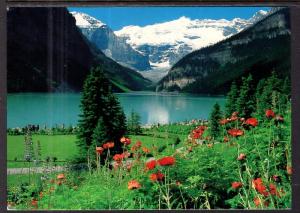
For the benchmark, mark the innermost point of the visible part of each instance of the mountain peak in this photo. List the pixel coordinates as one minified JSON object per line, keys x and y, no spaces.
{"x":83,"y":20}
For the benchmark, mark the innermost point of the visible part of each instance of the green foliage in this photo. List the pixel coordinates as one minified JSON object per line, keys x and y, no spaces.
{"x":99,"y":102}
{"x":134,"y":123}
{"x":245,"y":102}
{"x":214,"y":120}
{"x":231,"y":100}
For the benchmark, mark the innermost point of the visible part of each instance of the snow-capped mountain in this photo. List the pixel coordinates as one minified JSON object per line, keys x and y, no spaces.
{"x":159,"y":46}
{"x":165,"y":43}
{"x":111,"y":45}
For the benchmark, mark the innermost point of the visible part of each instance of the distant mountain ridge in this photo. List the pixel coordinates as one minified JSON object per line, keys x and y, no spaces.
{"x":259,"y":49}
{"x":114,"y":47}
{"x":46,"y":52}
{"x":159,"y":46}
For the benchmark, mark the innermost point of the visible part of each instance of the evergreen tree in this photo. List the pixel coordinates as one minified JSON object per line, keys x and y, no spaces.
{"x":231,"y":99}
{"x":98,"y":102}
{"x":215,"y":117}
{"x":245,"y":101}
{"x":134,"y":124}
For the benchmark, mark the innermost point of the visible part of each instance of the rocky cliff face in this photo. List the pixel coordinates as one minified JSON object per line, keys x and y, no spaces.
{"x":259,"y":49}
{"x":47,"y":52}
{"x":112,"y":46}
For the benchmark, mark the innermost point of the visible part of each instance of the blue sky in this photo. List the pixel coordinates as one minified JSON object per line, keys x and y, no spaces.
{"x":118,"y":17}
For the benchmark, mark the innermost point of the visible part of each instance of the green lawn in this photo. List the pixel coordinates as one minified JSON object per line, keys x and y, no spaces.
{"x":62,"y":147}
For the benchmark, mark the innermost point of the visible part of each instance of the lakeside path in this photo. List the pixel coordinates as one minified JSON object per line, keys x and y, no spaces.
{"x":14,"y":171}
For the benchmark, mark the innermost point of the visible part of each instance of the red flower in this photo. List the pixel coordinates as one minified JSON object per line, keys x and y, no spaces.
{"x":234,"y":116}
{"x":236,"y":185}
{"x":126,"y":154}
{"x":273,"y":190}
{"x":138,"y":144}
{"x":259,"y":186}
{"x":270,"y":113}
{"x":151,"y":164}
{"x":34,"y":203}
{"x":125,"y":141}
{"x":252,"y":122}
{"x":158,"y":176}
{"x":276,"y":178}
{"x":257,"y":202}
{"x":242,"y":156}
{"x":235,"y":132}
{"x":118,"y":157}
{"x":279,"y":118}
{"x":133,"y":184}
{"x":223,"y":121}
{"x":99,"y":150}
{"x":166,"y":161}
{"x":108,"y":145}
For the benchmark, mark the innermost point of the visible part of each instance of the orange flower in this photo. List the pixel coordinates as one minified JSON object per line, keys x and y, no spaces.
{"x":166,"y":161}
{"x":108,"y":145}
{"x":226,"y":139}
{"x":146,"y":150}
{"x":252,"y":122}
{"x":60,"y":176}
{"x":257,"y":202}
{"x":125,"y":141}
{"x":259,"y":186}
{"x":242,"y":156}
{"x":99,"y":150}
{"x":236,"y":185}
{"x":235,"y":132}
{"x":158,"y":176}
{"x":270,"y":113}
{"x":223,"y":121}
{"x":138,"y":144}
{"x":126,"y":154}
{"x":289,"y":170}
{"x":151,"y":164}
{"x":210,"y":145}
{"x":118,"y":157}
{"x":133,"y":184}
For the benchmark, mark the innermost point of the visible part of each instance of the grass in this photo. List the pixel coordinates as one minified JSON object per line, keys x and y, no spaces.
{"x":62,"y":147}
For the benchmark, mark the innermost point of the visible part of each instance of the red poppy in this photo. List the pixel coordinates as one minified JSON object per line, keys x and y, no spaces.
{"x":125,"y":141}
{"x":133,"y":184}
{"x":151,"y":164}
{"x":273,"y":190}
{"x":99,"y":150}
{"x":166,"y":161}
{"x":276,"y":178}
{"x":60,"y":176}
{"x":108,"y":145}
{"x":252,"y":122}
{"x":223,"y":121}
{"x":236,"y":185}
{"x":158,"y":176}
{"x":34,"y":203}
{"x":235,"y":132}
{"x":242,"y":156}
{"x":118,"y":157}
{"x":259,"y":186}
{"x":270,"y":113}
{"x":257,"y":202}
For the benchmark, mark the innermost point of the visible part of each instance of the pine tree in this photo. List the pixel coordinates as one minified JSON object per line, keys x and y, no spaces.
{"x":245,"y":101}
{"x":98,"y":102}
{"x":230,"y":105}
{"x":215,"y":117}
{"x":134,"y":124}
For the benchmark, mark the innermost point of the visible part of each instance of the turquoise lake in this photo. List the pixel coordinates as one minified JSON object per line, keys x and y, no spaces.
{"x":63,"y":108}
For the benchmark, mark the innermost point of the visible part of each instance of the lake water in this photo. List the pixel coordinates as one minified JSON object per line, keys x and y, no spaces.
{"x":63,"y":108}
